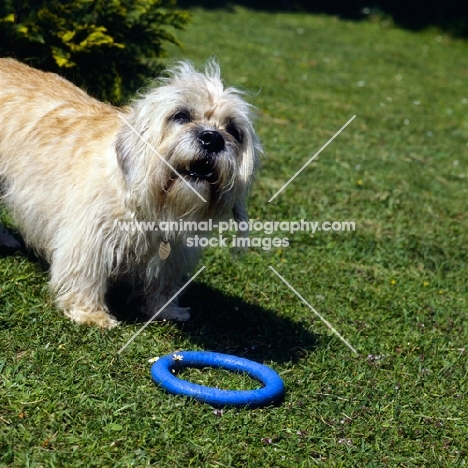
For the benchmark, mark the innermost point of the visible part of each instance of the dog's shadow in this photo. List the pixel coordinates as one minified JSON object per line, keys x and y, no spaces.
{"x":219,"y":322}
{"x":228,"y":324}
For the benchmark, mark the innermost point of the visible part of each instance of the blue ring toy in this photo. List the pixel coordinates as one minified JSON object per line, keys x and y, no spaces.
{"x":272,"y":392}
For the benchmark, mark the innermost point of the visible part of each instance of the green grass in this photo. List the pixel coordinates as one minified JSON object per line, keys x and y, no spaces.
{"x":396,"y":288}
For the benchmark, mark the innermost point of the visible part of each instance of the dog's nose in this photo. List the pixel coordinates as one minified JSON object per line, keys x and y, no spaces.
{"x":211,"y":141}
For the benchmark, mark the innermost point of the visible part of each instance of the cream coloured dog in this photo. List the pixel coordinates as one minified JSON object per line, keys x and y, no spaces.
{"x":72,"y":169}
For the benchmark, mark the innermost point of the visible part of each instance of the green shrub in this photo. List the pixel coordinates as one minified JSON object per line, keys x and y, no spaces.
{"x":108,"y":47}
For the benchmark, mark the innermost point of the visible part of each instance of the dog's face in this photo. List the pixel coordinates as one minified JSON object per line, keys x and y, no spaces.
{"x":191,"y":140}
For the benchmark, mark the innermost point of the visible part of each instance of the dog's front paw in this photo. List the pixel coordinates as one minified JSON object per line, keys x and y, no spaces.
{"x":175,"y":313}
{"x":98,"y":318}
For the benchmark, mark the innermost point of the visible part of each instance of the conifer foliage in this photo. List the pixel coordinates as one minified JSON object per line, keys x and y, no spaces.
{"x":108,"y":47}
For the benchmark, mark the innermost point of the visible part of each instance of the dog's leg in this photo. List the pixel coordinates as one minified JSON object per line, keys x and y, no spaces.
{"x":156,"y":297}
{"x":81,"y":294}
{"x":167,"y":283}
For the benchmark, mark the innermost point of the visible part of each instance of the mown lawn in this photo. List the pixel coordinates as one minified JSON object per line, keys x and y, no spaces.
{"x":395,"y":288}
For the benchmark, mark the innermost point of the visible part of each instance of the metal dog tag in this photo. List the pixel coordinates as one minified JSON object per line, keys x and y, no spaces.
{"x":164,"y":250}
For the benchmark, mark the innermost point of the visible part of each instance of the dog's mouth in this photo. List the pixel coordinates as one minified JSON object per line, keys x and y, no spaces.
{"x":202,"y":169}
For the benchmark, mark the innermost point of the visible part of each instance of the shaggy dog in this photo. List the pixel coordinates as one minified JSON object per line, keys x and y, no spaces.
{"x":75,"y":170}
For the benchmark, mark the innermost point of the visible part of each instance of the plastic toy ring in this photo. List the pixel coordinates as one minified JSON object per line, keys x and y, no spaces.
{"x":271,"y":393}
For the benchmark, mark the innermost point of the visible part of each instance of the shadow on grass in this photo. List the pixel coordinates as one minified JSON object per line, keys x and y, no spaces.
{"x":10,"y":242}
{"x":219,"y":322}
{"x":450,"y":15}
{"x":228,"y":324}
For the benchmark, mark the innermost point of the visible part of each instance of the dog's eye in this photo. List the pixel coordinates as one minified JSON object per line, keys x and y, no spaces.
{"x":181,"y":117}
{"x":234,"y":132}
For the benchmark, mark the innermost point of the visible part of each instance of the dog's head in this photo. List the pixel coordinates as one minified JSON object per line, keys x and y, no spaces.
{"x":189,"y":149}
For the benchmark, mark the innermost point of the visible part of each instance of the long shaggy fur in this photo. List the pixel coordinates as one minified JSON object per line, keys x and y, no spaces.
{"x":72,"y":167}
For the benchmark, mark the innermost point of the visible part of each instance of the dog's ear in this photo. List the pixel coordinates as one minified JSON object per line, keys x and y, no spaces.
{"x":239,"y":212}
{"x":249,"y":166}
{"x":123,"y":146}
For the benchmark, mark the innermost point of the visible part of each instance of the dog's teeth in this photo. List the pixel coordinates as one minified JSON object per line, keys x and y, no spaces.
{"x":200,"y":176}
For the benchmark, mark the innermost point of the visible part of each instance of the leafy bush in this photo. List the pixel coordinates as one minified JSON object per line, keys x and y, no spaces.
{"x":108,"y":47}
